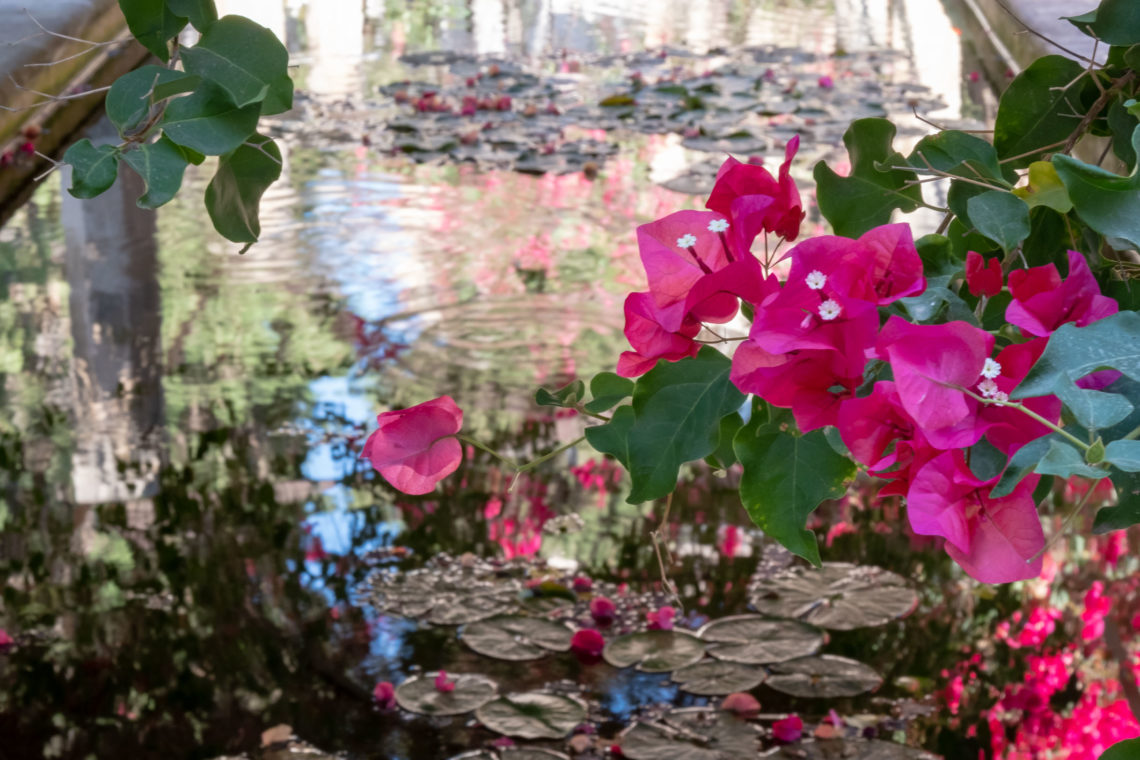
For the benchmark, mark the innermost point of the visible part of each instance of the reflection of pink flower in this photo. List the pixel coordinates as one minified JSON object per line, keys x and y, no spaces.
{"x":788,"y":730}
{"x":741,"y":704}
{"x":415,"y":448}
{"x":385,"y":695}
{"x":582,"y":584}
{"x":443,"y":683}
{"x":826,"y":82}
{"x":661,"y":619}
{"x":602,"y":610}
{"x":6,"y":641}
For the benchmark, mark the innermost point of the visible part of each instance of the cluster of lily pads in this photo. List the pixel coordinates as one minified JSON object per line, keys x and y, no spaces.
{"x":500,"y":115}
{"x":520,"y":610}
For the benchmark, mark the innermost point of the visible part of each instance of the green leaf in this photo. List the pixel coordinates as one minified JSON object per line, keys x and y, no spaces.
{"x":1049,"y":239}
{"x":608,"y":391}
{"x":1116,"y":22}
{"x":1129,"y":749}
{"x":1021,"y":464}
{"x":153,"y":24}
{"x":1123,"y":124}
{"x":1107,"y":202}
{"x":957,"y":153}
{"x":161,"y":165}
{"x":1031,"y":113}
{"x":937,"y":255}
{"x":725,"y":455}
{"x":678,"y":407}
{"x":1126,"y":513}
{"x":866,"y":198}
{"x":1045,"y":188}
{"x":207,"y":122}
{"x":1063,"y":459}
{"x":1096,"y":409}
{"x":613,"y":437}
{"x":234,"y":194}
{"x":785,"y":478}
{"x":567,"y":396}
{"x":201,"y":13}
{"x":1074,"y":352}
{"x":986,"y":460}
{"x":93,"y":170}
{"x":1124,"y":455}
{"x":129,"y":100}
{"x":1000,"y":216}
{"x":246,"y":60}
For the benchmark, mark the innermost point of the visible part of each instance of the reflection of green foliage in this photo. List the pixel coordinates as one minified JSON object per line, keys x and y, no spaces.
{"x":239,"y":343}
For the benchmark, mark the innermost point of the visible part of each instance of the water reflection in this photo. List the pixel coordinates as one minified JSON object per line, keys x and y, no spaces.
{"x":186,"y":525}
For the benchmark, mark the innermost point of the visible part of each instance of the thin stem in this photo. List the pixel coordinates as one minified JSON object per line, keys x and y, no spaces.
{"x":1068,"y":523}
{"x":944,"y":223}
{"x":583,"y":410}
{"x":490,"y":451}
{"x":1033,"y":152}
{"x":536,"y":462}
{"x":655,"y":535}
{"x":1028,"y":412}
{"x":1036,"y":33}
{"x":1132,"y":435}
{"x":1096,"y":108}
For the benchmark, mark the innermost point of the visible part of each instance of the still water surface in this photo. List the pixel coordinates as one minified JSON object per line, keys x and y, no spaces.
{"x":187,"y":529}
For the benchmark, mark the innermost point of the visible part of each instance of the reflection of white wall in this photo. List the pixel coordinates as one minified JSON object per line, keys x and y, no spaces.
{"x":269,"y":13}
{"x":336,"y":42}
{"x":488,"y":26}
{"x":936,"y":51}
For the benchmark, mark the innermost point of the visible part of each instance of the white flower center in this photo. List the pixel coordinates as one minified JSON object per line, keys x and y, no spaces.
{"x":718,"y":225}
{"x":828,"y":310}
{"x":991,"y":369}
{"x":816,"y":279}
{"x":686,"y":241}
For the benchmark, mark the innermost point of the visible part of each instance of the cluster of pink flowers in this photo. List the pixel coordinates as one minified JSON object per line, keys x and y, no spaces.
{"x":814,"y":334}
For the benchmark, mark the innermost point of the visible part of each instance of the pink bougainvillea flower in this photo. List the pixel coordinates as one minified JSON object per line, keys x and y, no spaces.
{"x":754,"y":200}
{"x":932,"y":364}
{"x":882,"y":266}
{"x":1042,"y":301}
{"x":587,"y":643}
{"x":983,"y":278}
{"x":650,"y":340}
{"x":661,"y":619}
{"x":415,"y":448}
{"x":868,"y":425}
{"x":741,"y":704}
{"x":788,"y":730}
{"x":582,"y":584}
{"x":385,"y":695}
{"x":602,"y":610}
{"x":826,"y":82}
{"x":992,"y":539}
{"x":804,"y":382}
{"x":6,"y":641}
{"x":443,"y":683}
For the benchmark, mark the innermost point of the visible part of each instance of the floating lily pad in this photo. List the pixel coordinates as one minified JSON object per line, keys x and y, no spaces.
{"x":850,"y":749}
{"x":419,"y":694}
{"x":514,"y":637}
{"x":533,"y":715}
{"x":654,"y":651}
{"x":840,"y":596}
{"x":714,"y":677}
{"x":445,"y":595}
{"x":691,"y":734}
{"x":758,"y":640}
{"x":823,"y":676}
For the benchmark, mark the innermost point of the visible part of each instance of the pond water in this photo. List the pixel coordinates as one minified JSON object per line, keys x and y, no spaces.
{"x":189,"y":542}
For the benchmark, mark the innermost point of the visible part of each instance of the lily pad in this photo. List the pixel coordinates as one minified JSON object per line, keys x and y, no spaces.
{"x":419,"y":694}
{"x":715,"y":677}
{"x":823,"y":676}
{"x":514,"y":637}
{"x":839,"y":596}
{"x":691,"y":734}
{"x":757,"y":640}
{"x":850,"y":749}
{"x":533,"y":715}
{"x":512,"y":753}
{"x":654,"y":651}
{"x":445,"y":595}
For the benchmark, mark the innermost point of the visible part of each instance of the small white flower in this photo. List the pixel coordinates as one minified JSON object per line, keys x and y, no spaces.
{"x":988,"y":388}
{"x":828,"y":310}
{"x":718,"y":225}
{"x":1001,"y":396}
{"x":686,"y":241}
{"x":991,"y":369}
{"x":816,"y":279}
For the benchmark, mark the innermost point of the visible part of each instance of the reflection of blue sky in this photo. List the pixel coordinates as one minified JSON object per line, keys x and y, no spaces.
{"x":627,"y":691}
